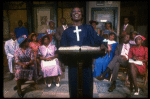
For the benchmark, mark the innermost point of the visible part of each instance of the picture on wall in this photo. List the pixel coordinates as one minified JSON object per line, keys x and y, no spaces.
{"x":43,"y":20}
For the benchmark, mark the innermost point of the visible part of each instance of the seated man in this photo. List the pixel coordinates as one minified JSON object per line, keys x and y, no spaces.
{"x":120,"y":58}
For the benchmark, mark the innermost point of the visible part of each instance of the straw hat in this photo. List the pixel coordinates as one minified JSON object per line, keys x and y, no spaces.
{"x":21,"y":39}
{"x":29,"y":37}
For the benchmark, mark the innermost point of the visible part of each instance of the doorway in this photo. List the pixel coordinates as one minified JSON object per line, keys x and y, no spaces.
{"x":104,"y":14}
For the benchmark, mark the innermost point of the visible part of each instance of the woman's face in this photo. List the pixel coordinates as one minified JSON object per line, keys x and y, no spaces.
{"x":107,"y":25}
{"x":52,"y":24}
{"x":26,"y":44}
{"x":133,"y":35}
{"x":111,"y":37}
{"x":34,"y":38}
{"x":138,"y":40}
{"x":46,"y":41}
{"x":94,"y":25}
{"x":76,"y":14}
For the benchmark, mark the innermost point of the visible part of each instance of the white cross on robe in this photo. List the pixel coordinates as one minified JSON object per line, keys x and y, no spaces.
{"x":77,"y":33}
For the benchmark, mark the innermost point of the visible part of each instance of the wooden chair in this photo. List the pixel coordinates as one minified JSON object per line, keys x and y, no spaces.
{"x":144,"y":76}
{"x":124,"y":70}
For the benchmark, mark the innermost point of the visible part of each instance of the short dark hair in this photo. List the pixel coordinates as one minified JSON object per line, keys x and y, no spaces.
{"x":32,"y":37}
{"x":46,"y":36}
{"x":20,"y":21}
{"x":113,"y":33}
{"x":108,"y":23}
{"x":72,"y":11}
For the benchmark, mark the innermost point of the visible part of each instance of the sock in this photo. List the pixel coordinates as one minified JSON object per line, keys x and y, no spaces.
{"x":106,"y":71}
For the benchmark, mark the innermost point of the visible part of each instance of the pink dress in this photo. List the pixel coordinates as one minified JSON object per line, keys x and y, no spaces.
{"x":50,"y":69}
{"x":34,"y":46}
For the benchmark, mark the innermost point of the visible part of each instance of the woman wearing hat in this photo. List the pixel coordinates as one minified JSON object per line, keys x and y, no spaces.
{"x":137,"y":53}
{"x":34,"y":45}
{"x":94,"y":23}
{"x":25,"y":65}
{"x":101,"y":63}
{"x":49,"y":62}
{"x":108,"y":29}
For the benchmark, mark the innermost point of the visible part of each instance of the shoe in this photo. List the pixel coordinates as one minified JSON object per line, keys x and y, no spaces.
{"x":15,"y":88}
{"x":58,"y":85}
{"x":20,"y":95}
{"x":49,"y":85}
{"x":137,"y":93}
{"x":111,"y":88}
{"x":101,"y":77}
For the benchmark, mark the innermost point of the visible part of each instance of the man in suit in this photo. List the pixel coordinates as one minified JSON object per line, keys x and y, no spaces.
{"x":125,"y":29}
{"x":10,"y":47}
{"x":58,"y":35}
{"x":120,"y":58}
{"x":60,"y":30}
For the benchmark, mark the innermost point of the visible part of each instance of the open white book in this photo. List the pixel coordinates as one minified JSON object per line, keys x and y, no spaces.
{"x":135,"y":62}
{"x":48,"y":63}
{"x":78,"y":48}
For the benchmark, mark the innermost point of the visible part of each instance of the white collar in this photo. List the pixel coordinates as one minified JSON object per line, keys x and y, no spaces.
{"x":13,"y":40}
{"x":126,"y":25}
{"x":126,"y":44}
{"x":64,"y":25}
{"x":111,"y":42}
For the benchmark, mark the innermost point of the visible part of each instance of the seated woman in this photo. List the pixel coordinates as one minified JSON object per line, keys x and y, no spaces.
{"x":49,"y":62}
{"x":101,"y":63}
{"x":25,"y":65}
{"x":35,"y":45}
{"x":137,"y":53}
{"x":132,"y":36}
{"x":94,"y":23}
{"x":108,"y":29}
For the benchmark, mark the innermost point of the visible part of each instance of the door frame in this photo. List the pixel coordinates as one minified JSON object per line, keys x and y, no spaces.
{"x":115,"y":10}
{"x":30,"y":12}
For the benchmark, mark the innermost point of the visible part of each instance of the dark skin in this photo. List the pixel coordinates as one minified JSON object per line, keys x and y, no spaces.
{"x":139,"y":42}
{"x":77,"y":16}
{"x":46,"y":43}
{"x":23,"y":48}
{"x":13,"y":36}
{"x":126,"y":21}
{"x":63,"y":21}
{"x":20,"y":23}
{"x":133,"y":71}
{"x":126,"y":40}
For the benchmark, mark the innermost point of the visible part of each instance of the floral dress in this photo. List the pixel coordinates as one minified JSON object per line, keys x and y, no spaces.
{"x":29,"y":73}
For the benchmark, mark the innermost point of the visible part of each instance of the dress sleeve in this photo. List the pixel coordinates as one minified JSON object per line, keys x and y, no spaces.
{"x":63,"y":41}
{"x":146,"y":54}
{"x":16,"y":56}
{"x":131,"y":53}
{"x":95,"y":37}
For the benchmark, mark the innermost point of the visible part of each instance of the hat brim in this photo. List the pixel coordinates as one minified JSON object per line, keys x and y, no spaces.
{"x":143,"y":38}
{"x":49,"y":35}
{"x":29,"y":37}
